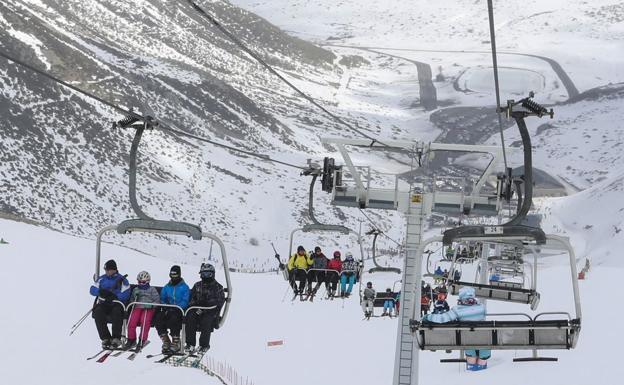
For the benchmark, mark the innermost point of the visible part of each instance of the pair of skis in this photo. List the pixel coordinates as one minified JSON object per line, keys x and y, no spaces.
{"x":182,"y":357}
{"x":117,"y":353}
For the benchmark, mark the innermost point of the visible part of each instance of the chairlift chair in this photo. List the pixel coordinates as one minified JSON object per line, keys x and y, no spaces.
{"x":146,"y":224}
{"x":526,"y":333}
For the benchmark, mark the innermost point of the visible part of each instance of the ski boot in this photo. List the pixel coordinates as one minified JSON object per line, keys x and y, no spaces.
{"x":115,"y":343}
{"x":176,"y":345}
{"x":106,"y":344}
{"x":166,"y":347}
{"x":130,"y":344}
{"x":202,"y":350}
{"x":189,"y":349}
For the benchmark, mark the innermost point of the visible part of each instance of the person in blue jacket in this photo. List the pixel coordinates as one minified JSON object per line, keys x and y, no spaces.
{"x":109,"y":288}
{"x":176,"y":292}
{"x":467,"y":309}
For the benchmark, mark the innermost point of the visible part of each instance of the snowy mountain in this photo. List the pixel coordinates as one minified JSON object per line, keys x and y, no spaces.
{"x":63,"y":164}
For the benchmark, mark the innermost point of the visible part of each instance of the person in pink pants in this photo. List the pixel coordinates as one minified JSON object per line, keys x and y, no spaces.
{"x":142,"y":314}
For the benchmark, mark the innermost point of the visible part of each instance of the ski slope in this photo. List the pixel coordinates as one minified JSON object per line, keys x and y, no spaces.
{"x":325,"y":342}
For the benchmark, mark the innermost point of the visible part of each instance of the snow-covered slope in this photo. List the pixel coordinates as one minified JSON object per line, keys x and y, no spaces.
{"x":324,"y":342}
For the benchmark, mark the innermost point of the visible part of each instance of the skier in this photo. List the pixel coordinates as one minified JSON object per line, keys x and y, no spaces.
{"x":440,"y":305}
{"x":108,"y":288}
{"x":368,"y":300}
{"x":469,"y":309}
{"x":349,"y":269}
{"x":388,"y":303}
{"x":141,"y":314}
{"x":456,"y":275}
{"x":334,"y":276}
{"x":320,"y":262}
{"x":438,"y":272}
{"x":450,"y":252}
{"x":205,"y":293}
{"x":175,"y":292}
{"x":397,"y":301}
{"x":425,"y":298}
{"x":297,"y":269}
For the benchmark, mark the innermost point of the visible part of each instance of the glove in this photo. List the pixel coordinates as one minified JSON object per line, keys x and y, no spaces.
{"x":215,"y":324}
{"x":108,"y":295}
{"x":277,"y":256}
{"x":282,"y":266}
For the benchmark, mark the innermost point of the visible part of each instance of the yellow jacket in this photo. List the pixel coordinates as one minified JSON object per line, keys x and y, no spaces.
{"x":300,"y":261}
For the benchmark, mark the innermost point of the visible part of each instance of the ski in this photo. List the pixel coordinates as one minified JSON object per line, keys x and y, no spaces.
{"x":154,"y":355}
{"x":138,"y":350}
{"x":180,"y":360}
{"x":165,"y":358}
{"x":95,"y":355}
{"x":200,"y":356}
{"x":104,"y":356}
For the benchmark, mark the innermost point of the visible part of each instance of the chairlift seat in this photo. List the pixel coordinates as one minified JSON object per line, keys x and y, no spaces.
{"x":500,"y":291}
{"x":497,"y":335}
{"x":382,"y":297}
{"x":158,"y":226}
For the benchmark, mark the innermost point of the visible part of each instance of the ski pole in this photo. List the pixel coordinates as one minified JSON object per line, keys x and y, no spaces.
{"x":80,"y":321}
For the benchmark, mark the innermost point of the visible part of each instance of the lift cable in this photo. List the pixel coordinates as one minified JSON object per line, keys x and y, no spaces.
{"x":131,"y":114}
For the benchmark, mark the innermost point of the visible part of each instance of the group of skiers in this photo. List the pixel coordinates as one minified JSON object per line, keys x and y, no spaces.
{"x":309,"y":268}
{"x":440,"y":275}
{"x":391,"y":301}
{"x":204,"y":300}
{"x":435,"y":297}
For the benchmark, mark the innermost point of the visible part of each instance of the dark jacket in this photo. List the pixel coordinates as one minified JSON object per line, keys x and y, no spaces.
{"x":207,"y":294}
{"x":320,"y":261}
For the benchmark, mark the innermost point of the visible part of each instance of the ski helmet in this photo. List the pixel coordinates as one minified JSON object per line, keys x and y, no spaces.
{"x":110,"y":265}
{"x":336,"y":254}
{"x":349,"y":256}
{"x":144,"y":277}
{"x":369,"y":284}
{"x":207,"y":270}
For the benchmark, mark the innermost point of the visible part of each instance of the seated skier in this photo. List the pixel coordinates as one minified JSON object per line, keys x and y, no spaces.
{"x":348,"y":275}
{"x":334,"y":276}
{"x":368,"y":300}
{"x":298,"y":265}
{"x":108,"y":288}
{"x":175,"y":292}
{"x":467,"y":309}
{"x":141,"y":314}
{"x":388,"y":304}
{"x":319,"y":264}
{"x":207,"y":293}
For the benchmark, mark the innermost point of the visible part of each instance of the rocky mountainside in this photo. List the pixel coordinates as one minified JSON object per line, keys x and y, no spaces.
{"x":64,"y":166}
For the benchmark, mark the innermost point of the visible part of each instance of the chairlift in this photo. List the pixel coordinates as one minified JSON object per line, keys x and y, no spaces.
{"x":498,"y":283}
{"x":147,"y":224}
{"x":318,"y":227}
{"x":378,"y":268}
{"x":527,"y":333}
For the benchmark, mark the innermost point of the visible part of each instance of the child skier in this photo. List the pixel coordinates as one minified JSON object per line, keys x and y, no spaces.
{"x":141,"y":314}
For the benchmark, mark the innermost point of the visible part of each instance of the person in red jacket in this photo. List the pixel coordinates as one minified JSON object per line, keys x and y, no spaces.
{"x":334,"y":276}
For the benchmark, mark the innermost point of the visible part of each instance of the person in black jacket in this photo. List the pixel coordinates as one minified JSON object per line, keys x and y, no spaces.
{"x":207,"y":293}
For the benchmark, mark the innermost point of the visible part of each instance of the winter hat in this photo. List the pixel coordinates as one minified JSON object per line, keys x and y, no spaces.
{"x":110,"y":265}
{"x":300,"y":248}
{"x":466,"y":293}
{"x":175,"y":272}
{"x":349,"y":256}
{"x":336,"y":254}
{"x":317,"y":248}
